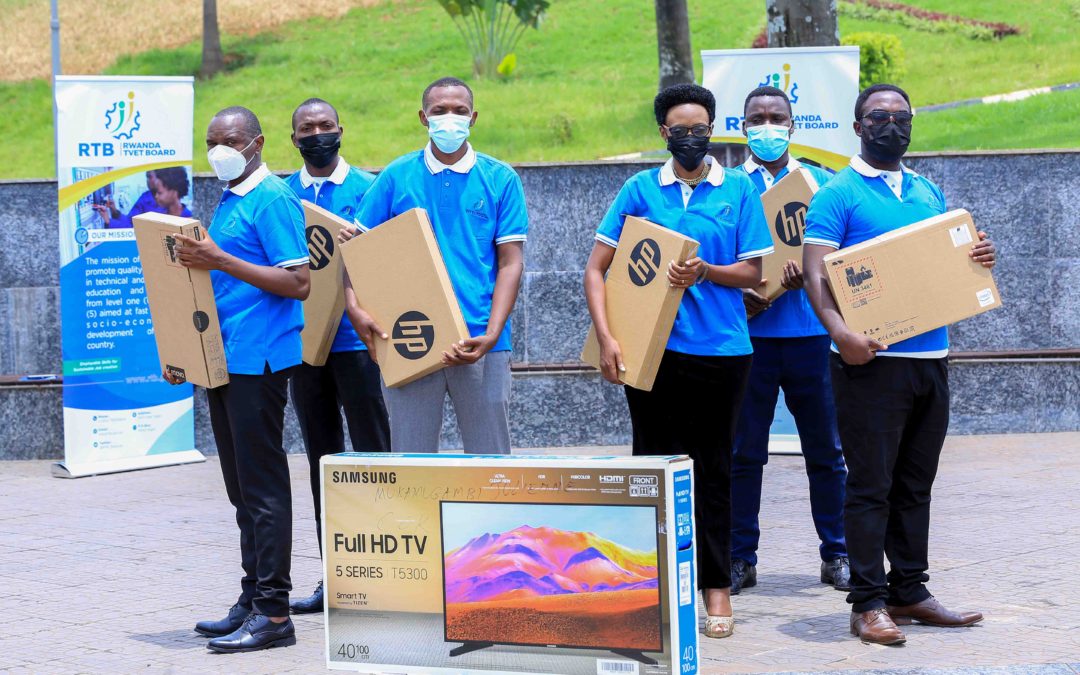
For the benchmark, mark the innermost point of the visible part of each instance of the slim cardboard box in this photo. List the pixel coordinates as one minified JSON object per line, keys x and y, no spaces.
{"x":401,"y":281}
{"x":182,"y":304}
{"x":912,"y":280}
{"x":641,"y":304}
{"x":326,"y":302}
{"x":785,"y":205}
{"x":509,"y":564}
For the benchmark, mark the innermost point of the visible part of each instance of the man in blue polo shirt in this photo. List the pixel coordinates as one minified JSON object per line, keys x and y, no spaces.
{"x":477,"y":210}
{"x":258,"y":261}
{"x":892,"y":404}
{"x":349,"y":381}
{"x":791,"y":351}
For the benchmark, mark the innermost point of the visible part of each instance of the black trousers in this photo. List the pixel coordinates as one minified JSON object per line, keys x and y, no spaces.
{"x":348,"y":382}
{"x":248,"y":419}
{"x":692,"y":410}
{"x":893,"y":414}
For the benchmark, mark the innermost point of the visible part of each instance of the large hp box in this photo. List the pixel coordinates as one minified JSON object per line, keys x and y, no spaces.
{"x":400,"y":279}
{"x":912,"y":280}
{"x":325,"y":303}
{"x":641,"y":304}
{"x":182,"y":304}
{"x":509,"y":564}
{"x":785,"y":205}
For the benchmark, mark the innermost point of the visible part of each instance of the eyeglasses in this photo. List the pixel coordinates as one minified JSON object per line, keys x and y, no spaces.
{"x":902,"y":118}
{"x":680,"y":131}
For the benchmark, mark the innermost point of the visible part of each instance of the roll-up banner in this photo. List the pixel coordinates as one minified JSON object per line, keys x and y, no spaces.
{"x":123,"y":148}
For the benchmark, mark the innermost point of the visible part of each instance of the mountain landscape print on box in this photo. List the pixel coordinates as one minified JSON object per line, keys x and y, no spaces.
{"x":552,"y":574}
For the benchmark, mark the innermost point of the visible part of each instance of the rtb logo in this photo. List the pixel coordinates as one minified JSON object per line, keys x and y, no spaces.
{"x":320,"y":246}
{"x":122,"y":119}
{"x":783,"y":82}
{"x":413,"y":335}
{"x":644,"y":261}
{"x":790,"y":223}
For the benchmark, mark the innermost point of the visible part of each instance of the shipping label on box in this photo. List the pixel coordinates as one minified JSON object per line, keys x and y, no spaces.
{"x":325,"y":304}
{"x":182,"y":305}
{"x":785,"y":205}
{"x":400,"y":279}
{"x":912,"y":280}
{"x":500,"y":564}
{"x":641,"y":305}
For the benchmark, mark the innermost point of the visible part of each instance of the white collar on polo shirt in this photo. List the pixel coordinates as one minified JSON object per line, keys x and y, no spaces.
{"x":463,"y":165}
{"x":715,"y":177}
{"x":337,"y":176}
{"x":750,"y":166}
{"x":251,"y":182}
{"x":893,"y":179}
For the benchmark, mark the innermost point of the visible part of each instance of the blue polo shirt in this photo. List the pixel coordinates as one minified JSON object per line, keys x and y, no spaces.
{"x":474,"y":205}
{"x":790,"y":315}
{"x":724,"y":215}
{"x":340,"y":193}
{"x":860,"y":203}
{"x":261,"y":222}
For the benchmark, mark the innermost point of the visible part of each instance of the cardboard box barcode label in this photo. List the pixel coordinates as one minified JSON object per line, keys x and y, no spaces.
{"x":912,"y":280}
{"x":785,"y":205}
{"x":325,"y":304}
{"x":641,"y":304}
{"x":400,"y":279}
{"x":182,"y":305}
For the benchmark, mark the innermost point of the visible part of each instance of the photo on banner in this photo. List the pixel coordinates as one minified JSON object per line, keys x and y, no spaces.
{"x":123,"y":148}
{"x":822,"y":84}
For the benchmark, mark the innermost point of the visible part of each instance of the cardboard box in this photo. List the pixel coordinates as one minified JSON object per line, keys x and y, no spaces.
{"x":401,"y":281}
{"x":641,"y":304}
{"x":785,"y":205}
{"x":912,"y":280}
{"x":509,"y":564}
{"x":182,"y":305}
{"x":326,"y":302}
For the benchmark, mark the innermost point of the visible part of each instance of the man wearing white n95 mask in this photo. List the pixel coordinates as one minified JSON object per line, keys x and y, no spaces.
{"x":477,"y":210}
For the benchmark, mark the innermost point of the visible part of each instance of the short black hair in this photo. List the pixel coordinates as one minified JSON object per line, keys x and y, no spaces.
{"x":314,"y":101}
{"x":174,"y":178}
{"x":251,"y":122}
{"x":445,"y":82}
{"x":766,"y":91}
{"x":873,"y":89}
{"x":678,"y":94}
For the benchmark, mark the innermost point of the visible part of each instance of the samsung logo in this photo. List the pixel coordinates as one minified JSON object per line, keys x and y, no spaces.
{"x":364,"y":477}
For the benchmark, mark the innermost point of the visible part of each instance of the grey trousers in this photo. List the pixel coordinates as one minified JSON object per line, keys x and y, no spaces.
{"x":480,"y":394}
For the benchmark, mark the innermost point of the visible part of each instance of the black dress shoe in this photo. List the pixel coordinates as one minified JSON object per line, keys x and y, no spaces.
{"x":234,"y":620}
{"x":743,"y":575}
{"x":258,"y":632}
{"x":311,"y":604}
{"x":837,"y":573}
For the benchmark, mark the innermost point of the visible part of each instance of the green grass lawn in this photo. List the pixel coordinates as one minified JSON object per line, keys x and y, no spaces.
{"x":584,"y":83}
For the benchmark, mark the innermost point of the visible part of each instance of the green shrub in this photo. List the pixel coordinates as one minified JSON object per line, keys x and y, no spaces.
{"x":561,"y":126}
{"x":881,"y":57}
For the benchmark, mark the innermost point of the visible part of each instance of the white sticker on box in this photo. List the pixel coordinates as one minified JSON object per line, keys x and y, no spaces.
{"x":960,"y":235}
{"x":985,"y":297}
{"x":609,"y":666}
{"x":686,"y":593}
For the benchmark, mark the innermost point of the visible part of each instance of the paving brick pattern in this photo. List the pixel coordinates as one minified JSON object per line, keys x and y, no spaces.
{"x":108,"y":574}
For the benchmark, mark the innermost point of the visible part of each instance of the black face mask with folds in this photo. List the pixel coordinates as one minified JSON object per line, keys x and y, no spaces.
{"x":886,"y":143}
{"x":689,"y":150}
{"x":321,"y":149}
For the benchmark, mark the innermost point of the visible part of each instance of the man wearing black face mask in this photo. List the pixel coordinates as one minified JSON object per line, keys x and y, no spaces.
{"x":892,"y":406}
{"x":350,"y":379}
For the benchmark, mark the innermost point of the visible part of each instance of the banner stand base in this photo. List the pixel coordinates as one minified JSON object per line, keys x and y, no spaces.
{"x":71,"y":470}
{"x":784,"y":444}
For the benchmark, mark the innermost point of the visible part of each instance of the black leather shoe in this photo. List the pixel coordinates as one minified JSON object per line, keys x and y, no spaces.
{"x":837,"y":573}
{"x":234,"y":620}
{"x":311,"y":604}
{"x":258,"y":632}
{"x":743,"y":575}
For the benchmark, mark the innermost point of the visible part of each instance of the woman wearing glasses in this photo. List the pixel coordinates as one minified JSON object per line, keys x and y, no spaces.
{"x":694,"y":403}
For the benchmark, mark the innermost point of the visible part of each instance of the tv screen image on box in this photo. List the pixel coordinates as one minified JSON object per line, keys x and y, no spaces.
{"x":552,"y":575}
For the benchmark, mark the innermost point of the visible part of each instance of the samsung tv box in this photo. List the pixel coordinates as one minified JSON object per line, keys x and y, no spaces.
{"x":509,"y":564}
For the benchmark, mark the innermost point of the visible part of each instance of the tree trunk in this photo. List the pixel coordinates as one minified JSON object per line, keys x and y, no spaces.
{"x":673,"y":43}
{"x":213,"y":61}
{"x":802,"y":23}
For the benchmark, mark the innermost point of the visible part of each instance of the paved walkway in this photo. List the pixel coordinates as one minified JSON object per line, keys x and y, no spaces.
{"x":108,"y":574}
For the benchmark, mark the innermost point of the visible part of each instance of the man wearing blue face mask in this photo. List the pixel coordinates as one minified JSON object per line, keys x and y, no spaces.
{"x":477,"y":210}
{"x":791,"y":351}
